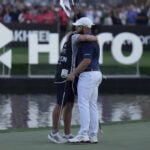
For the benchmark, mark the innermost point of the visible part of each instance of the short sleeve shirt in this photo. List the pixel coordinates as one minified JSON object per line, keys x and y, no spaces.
{"x":74,"y":49}
{"x":89,"y":50}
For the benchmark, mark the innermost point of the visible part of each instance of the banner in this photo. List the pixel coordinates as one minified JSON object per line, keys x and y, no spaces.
{"x":39,"y":39}
{"x":21,"y":32}
{"x":143,"y":32}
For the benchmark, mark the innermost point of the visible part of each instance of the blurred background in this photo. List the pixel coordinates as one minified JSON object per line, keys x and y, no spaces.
{"x":32,"y":32}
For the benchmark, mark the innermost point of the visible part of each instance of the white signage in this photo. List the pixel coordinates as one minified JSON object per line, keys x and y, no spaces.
{"x":137,"y":48}
{"x":22,"y":35}
{"x":51,"y":48}
{"x":6,"y":37}
{"x":6,"y":58}
{"x":102,"y":39}
{"x":45,"y":42}
{"x":116,"y":48}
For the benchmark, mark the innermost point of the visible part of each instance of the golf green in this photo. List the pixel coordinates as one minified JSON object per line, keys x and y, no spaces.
{"x":120,"y":136}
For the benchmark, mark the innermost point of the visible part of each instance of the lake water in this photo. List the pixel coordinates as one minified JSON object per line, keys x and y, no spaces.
{"x":28,"y":111}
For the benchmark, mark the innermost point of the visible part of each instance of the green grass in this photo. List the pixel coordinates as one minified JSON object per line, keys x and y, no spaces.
{"x":109,"y":66}
{"x":117,"y":136}
{"x":20,"y":56}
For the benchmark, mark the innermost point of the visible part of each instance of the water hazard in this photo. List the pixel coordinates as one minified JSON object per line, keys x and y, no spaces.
{"x":28,"y":111}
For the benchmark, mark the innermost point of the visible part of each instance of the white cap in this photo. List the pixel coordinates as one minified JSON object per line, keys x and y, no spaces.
{"x":84,"y":21}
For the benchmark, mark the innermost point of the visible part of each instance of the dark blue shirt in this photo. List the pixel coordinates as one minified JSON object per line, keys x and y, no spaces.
{"x":89,"y":50}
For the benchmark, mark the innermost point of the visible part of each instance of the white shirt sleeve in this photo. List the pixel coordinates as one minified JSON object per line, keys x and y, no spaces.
{"x":75,"y":43}
{"x":75,"y":38}
{"x":74,"y":49}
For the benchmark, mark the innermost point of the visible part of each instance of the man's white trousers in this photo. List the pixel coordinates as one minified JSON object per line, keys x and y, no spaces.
{"x":87,"y":101}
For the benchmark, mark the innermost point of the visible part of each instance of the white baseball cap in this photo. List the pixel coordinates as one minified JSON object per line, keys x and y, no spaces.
{"x":84,"y":21}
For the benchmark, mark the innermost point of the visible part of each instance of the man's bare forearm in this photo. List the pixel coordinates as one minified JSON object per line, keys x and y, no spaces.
{"x":80,"y":68}
{"x":87,"y":37}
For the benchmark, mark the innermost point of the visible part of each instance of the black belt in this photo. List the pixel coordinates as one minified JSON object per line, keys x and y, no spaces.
{"x":86,"y":70}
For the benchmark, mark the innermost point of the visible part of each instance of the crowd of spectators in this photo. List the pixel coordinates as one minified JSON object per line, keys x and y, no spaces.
{"x":50,"y":13}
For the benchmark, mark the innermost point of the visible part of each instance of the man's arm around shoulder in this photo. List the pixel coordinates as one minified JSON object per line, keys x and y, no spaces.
{"x":87,"y":37}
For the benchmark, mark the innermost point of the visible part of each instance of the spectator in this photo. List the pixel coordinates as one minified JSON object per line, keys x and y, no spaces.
{"x":97,"y":14}
{"x":115,"y":17}
{"x":39,"y":12}
{"x":90,"y":13}
{"x":107,"y":19}
{"x":78,"y":14}
{"x":26,"y":16}
{"x":148,"y":15}
{"x":7,"y":18}
{"x":63,"y":20}
{"x":1,"y":13}
{"x":131,"y":15}
{"x":27,"y":13}
{"x":49,"y":16}
{"x":142,"y":18}
{"x":15,"y":15}
{"x":39,"y":17}
{"x":122,"y":15}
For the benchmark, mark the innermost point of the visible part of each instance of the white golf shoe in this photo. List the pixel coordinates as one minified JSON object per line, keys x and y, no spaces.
{"x":80,"y":139}
{"x":68,"y":136}
{"x":93,"y":139}
{"x":57,"y":138}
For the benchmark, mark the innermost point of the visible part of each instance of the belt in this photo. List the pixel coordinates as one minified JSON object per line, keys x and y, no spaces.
{"x":86,"y":70}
